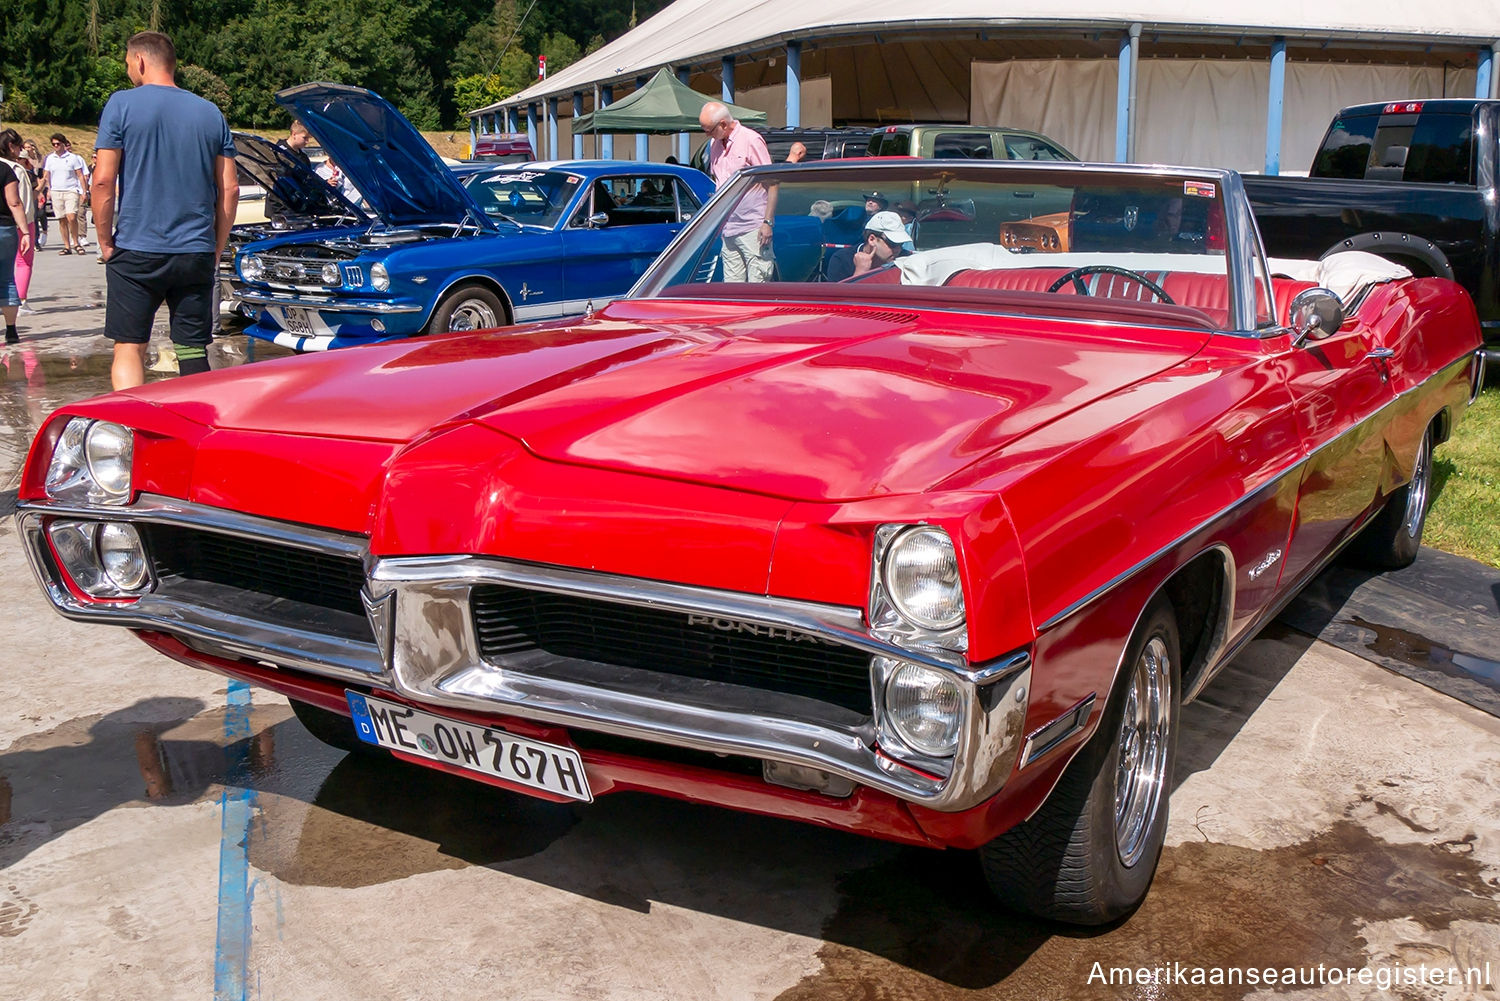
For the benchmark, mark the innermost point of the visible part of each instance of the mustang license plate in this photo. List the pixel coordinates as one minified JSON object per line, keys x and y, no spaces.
{"x":481,"y":749}
{"x":297,"y":321}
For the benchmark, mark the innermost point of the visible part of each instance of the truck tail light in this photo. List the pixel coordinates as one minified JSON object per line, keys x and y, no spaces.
{"x":1402,"y":108}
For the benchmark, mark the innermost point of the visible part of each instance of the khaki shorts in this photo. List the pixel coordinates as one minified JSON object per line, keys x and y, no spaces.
{"x":65,"y":203}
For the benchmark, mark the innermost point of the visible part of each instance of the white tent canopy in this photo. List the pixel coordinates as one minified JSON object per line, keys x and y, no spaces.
{"x":691,"y":31}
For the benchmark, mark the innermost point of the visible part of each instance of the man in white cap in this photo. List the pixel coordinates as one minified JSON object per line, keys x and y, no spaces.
{"x":886,"y":238}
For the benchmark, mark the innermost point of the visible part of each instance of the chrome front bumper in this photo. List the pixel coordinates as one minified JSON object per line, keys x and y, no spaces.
{"x":426,"y":648}
{"x":327,"y":303}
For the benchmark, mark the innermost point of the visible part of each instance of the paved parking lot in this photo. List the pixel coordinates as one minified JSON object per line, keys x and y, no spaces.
{"x":165,"y":836}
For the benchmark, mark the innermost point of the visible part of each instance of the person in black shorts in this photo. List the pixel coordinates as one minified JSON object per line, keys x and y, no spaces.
{"x":178,"y":192}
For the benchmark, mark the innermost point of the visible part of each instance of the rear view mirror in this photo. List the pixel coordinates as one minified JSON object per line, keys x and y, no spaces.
{"x":1314,"y":314}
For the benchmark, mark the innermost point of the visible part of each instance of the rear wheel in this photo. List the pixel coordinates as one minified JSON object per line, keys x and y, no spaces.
{"x":1394,"y":537}
{"x":467,"y":307}
{"x":334,"y":729}
{"x":1088,"y":855}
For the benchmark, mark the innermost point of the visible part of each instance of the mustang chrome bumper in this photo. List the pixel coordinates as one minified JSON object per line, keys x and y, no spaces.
{"x":327,"y":303}
{"x":425,"y":648}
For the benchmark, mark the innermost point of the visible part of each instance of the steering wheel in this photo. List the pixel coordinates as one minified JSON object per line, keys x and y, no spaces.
{"x":1077,"y":275}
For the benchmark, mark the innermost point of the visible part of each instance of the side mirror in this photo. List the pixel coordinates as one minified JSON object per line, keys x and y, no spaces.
{"x":1315,"y":314}
{"x":598,"y":220}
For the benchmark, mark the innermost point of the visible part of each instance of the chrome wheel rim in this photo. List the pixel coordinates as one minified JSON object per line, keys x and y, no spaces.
{"x":1416,"y":492}
{"x":472,"y":314}
{"x":1141,"y":770}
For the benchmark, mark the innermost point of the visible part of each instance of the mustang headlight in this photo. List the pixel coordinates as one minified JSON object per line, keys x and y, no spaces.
{"x":252,"y":267}
{"x":92,"y":462}
{"x":331,"y":275}
{"x":920,"y":573}
{"x":925,"y":708}
{"x":123,"y":557}
{"x":380,"y":278}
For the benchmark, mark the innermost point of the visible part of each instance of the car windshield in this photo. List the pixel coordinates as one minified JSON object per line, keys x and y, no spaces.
{"x":1060,"y":239}
{"x":530,"y":197}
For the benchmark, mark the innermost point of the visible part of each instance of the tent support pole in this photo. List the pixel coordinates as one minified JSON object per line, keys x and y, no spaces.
{"x":1122,"y":102}
{"x":531,"y":125}
{"x":1135,"y":78}
{"x":552,"y":149}
{"x":684,"y":75}
{"x":473,"y":137}
{"x":606,"y":141}
{"x":1484,"y":78}
{"x":577,"y":113}
{"x":642,"y":141}
{"x":726,"y":71}
{"x":793,"y":84}
{"x":1274,"y":102}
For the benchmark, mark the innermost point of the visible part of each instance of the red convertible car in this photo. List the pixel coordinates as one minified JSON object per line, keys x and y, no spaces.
{"x":934,"y":554}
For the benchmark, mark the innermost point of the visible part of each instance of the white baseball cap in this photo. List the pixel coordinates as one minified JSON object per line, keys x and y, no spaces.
{"x":890,"y":226}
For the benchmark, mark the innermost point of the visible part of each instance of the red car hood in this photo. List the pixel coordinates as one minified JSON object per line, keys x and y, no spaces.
{"x":802,"y":402}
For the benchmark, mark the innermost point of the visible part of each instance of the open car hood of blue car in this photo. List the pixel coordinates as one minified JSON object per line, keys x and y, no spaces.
{"x":289,"y":183}
{"x":401,"y":176}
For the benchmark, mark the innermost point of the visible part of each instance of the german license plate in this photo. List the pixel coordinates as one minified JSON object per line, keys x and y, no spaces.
{"x":481,"y":749}
{"x":297,"y":321}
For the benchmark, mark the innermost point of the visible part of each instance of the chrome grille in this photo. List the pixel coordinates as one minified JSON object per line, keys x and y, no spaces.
{"x":513,"y":620}
{"x":354,"y":274}
{"x":265,"y":568}
{"x":298,"y":272}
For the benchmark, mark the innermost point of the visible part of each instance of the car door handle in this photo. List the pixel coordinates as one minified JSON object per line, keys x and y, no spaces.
{"x":1381,"y":354}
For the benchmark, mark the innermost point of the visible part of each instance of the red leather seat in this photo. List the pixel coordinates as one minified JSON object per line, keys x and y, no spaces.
{"x":1208,"y":294}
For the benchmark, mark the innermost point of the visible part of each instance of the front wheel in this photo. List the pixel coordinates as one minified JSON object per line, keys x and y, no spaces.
{"x":1393,"y":537}
{"x":1089,"y":853}
{"x":468,"y":307}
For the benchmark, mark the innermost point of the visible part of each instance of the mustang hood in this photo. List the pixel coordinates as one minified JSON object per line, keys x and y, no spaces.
{"x":399,"y":173}
{"x":775,"y":399}
{"x":290,"y":185}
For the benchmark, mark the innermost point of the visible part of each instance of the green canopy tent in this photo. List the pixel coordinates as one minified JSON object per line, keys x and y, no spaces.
{"x":663,"y":106}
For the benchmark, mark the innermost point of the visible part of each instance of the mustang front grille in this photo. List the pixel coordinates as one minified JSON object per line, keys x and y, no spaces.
{"x":512,"y":620}
{"x":265,"y":568}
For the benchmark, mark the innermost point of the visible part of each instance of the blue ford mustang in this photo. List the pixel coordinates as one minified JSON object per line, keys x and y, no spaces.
{"x":511,"y":243}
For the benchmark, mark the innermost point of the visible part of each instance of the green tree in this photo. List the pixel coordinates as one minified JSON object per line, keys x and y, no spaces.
{"x":205,"y":84}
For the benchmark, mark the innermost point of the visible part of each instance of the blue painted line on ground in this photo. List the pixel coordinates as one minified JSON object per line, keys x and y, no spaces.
{"x":237,"y":808}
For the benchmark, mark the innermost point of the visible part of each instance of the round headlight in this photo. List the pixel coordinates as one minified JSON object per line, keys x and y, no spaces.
{"x":331,"y":274}
{"x":252,"y":267}
{"x":380,"y":278}
{"x":920,"y":574}
{"x":925,"y":709}
{"x":67,"y":458}
{"x":122,"y":556}
{"x":108,"y":448}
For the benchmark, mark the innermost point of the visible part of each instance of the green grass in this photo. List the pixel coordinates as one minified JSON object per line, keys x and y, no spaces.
{"x":1465,"y":513}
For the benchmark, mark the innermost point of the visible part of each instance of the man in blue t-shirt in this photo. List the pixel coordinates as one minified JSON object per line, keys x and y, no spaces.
{"x":172,"y":156}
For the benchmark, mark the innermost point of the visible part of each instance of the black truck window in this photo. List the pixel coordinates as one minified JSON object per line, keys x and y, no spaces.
{"x":1442,"y":149}
{"x":1346,"y":148}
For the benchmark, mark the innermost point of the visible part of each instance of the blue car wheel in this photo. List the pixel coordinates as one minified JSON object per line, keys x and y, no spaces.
{"x":468,"y":307}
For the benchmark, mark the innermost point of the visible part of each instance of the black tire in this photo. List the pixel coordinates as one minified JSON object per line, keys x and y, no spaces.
{"x":467,"y":307}
{"x":1078,"y":860}
{"x":334,"y":729}
{"x":1393,"y":537}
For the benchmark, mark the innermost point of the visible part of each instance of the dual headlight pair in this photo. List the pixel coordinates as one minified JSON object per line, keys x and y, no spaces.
{"x":92,"y":464}
{"x":917,"y":602}
{"x":253,"y":269}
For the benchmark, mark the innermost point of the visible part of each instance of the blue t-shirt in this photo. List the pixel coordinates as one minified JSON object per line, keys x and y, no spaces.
{"x":168,"y":140}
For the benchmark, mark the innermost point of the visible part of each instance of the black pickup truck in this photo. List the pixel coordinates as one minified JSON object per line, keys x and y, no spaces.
{"x":1414,"y":181}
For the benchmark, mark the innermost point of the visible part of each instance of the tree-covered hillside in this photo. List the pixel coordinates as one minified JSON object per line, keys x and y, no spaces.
{"x":434,"y":59}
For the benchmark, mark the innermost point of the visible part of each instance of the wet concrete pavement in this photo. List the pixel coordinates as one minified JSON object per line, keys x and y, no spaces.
{"x":163,"y":836}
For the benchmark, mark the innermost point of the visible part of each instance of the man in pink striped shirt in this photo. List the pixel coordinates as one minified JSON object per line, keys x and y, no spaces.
{"x":747,"y":231}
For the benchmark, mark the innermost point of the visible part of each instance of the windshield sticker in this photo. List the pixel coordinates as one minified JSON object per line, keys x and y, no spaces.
{"x":525,"y":175}
{"x":570,"y":179}
{"x":1198,"y":189}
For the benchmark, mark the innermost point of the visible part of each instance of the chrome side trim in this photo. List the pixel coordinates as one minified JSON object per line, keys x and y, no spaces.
{"x":1271,"y":481}
{"x":328,"y":304}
